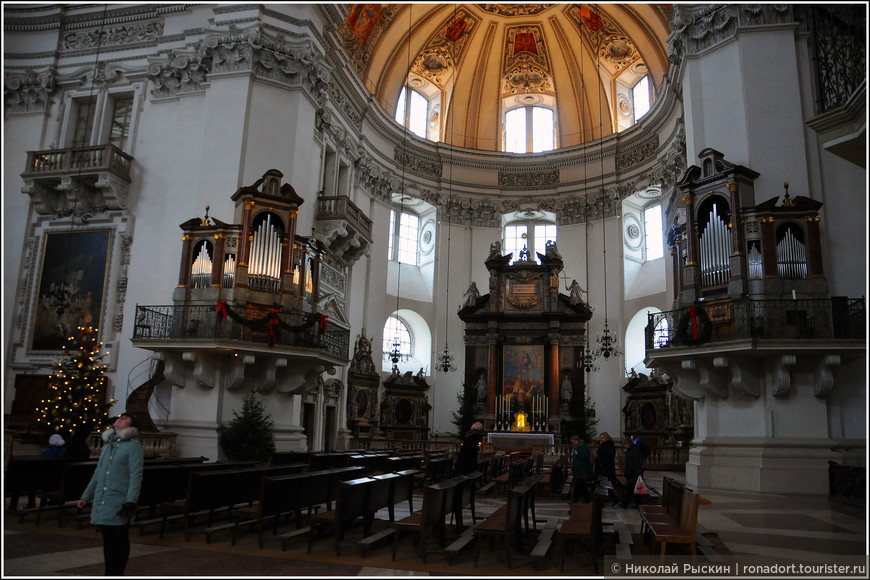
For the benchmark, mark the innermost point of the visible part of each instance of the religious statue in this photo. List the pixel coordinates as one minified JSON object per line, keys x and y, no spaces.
{"x":576,"y":293}
{"x":420,"y":374}
{"x":494,"y":250}
{"x":471,"y":295}
{"x":482,"y":387}
{"x":566,"y":389}
{"x":552,"y":251}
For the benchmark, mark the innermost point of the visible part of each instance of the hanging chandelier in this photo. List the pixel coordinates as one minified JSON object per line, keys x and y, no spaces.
{"x":446,"y":359}
{"x":395,"y":355}
{"x":606,"y":341}
{"x":589,"y":358}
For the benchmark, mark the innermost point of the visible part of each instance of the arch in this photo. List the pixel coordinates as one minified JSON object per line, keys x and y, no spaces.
{"x":635,"y":339}
{"x":420,"y":337}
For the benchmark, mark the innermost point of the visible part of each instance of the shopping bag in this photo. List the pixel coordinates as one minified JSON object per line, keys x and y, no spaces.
{"x":640,"y":487}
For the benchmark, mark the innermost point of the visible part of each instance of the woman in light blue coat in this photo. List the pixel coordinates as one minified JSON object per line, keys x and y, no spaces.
{"x":114,"y":487}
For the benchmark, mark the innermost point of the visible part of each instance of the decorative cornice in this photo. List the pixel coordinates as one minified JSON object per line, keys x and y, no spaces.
{"x":696,"y":28}
{"x":528,"y":178}
{"x":121,"y":34}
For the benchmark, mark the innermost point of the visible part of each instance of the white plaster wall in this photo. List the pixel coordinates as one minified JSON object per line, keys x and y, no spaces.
{"x":21,"y":133}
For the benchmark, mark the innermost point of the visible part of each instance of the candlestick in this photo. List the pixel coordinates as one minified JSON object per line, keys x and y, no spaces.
{"x":793,"y":295}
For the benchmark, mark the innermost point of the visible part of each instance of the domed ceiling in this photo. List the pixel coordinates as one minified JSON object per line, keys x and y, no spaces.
{"x":578,"y":59}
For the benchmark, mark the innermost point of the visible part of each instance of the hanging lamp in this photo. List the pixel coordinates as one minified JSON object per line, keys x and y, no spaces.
{"x":606,"y":341}
{"x":446,"y":358}
{"x":395,"y":355}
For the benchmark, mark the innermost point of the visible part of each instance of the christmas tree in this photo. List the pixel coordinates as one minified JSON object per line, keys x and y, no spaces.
{"x":249,"y":436}
{"x":77,"y":388}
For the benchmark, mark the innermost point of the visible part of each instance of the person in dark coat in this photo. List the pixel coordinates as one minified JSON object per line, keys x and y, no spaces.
{"x":466,"y":462}
{"x":605,"y":464}
{"x":78,"y":446}
{"x":582,"y":468}
{"x":115,"y":487}
{"x":55,"y":447}
{"x":633,"y":469}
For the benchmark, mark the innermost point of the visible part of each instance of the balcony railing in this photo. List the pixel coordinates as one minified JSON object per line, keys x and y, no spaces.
{"x":254,"y":325}
{"x":60,"y":162}
{"x":340,"y":207}
{"x":834,"y":318}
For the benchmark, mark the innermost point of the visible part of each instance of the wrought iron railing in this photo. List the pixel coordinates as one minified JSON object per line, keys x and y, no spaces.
{"x":249,"y":324}
{"x":839,"y":34}
{"x":838,"y":318}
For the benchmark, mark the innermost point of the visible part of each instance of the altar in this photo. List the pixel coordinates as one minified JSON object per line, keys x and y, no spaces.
{"x":518,"y":441}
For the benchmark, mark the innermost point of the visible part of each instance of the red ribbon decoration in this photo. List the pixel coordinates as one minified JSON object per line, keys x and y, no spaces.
{"x":222,"y":309}
{"x":273,"y":325}
{"x":694,"y":323}
{"x":323,"y":318}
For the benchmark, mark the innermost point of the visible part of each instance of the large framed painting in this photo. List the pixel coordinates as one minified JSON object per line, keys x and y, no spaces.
{"x":72,"y":284}
{"x":523,"y":375}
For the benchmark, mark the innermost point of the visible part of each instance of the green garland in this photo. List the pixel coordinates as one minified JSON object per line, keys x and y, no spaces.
{"x":703,"y":326}
{"x":262,"y":324}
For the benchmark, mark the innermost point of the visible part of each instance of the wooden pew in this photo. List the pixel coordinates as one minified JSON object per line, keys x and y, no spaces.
{"x":403,"y":462}
{"x":27,"y":475}
{"x":301,"y":494}
{"x":584,"y":527}
{"x":350,"y":504}
{"x":669,"y":509}
{"x":683,"y":531}
{"x":424,"y":525}
{"x":504,"y":524}
{"x":74,"y":480}
{"x":211,"y":493}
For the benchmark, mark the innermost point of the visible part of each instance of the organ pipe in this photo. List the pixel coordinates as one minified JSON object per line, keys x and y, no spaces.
{"x":715,"y":251}
{"x":229,"y":271}
{"x":201,"y":269}
{"x":791,"y":257}
{"x":265,"y":263}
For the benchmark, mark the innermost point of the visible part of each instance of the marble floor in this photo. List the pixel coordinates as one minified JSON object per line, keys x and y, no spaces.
{"x":810,"y":529}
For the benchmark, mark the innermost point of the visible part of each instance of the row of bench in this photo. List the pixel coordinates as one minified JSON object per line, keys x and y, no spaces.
{"x":675,"y":521}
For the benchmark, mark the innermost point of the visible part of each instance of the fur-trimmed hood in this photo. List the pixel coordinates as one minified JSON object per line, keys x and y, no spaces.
{"x":125,"y":434}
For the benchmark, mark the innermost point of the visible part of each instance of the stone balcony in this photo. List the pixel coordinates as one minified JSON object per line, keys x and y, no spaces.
{"x":344,"y":229}
{"x":80,"y":179}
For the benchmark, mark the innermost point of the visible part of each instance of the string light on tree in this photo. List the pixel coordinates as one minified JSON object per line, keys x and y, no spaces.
{"x":76,"y":387}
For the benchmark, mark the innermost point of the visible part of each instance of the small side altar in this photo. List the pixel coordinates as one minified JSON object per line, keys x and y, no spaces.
{"x":518,"y":440}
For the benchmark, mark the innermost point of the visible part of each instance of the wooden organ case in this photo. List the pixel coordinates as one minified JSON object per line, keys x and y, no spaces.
{"x":729,"y":248}
{"x":523,"y":341}
{"x":260,"y":260}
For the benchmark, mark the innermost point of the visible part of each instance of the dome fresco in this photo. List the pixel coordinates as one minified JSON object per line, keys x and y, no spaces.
{"x":474,"y":62}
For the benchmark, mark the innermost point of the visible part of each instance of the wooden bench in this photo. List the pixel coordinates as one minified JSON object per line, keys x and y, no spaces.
{"x":583,"y":527}
{"x":73,"y":482}
{"x":682,"y":531}
{"x":425,"y":524}
{"x":668,"y":510}
{"x":505,"y":524}
{"x":350,"y":504}
{"x":215,"y":493}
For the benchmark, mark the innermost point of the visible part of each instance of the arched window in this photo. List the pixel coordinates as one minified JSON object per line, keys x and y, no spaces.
{"x":403,"y":243}
{"x":529,"y":129}
{"x":409,"y":332}
{"x":397,"y":338}
{"x":635,"y":339}
{"x":640,"y":96}
{"x":419,"y":108}
{"x":652,"y":220}
{"x":528,"y":231}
